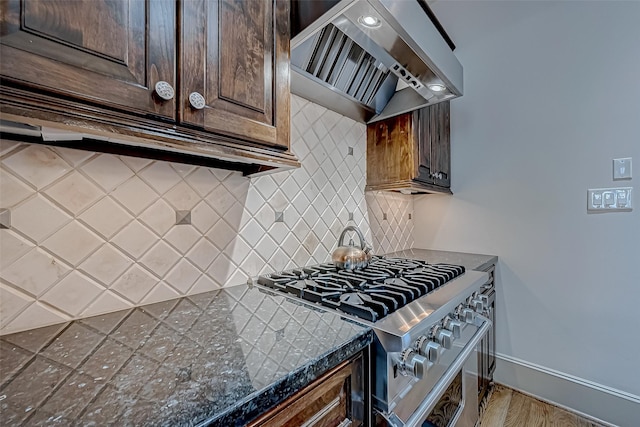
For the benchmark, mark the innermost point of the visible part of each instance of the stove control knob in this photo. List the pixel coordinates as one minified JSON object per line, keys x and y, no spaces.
{"x":429,"y":349}
{"x":442,"y":336}
{"x":412,"y":364}
{"x":464,"y":314}
{"x":484,"y":299}
{"x":467,"y":315}
{"x":455,"y":326}
{"x":477,"y":304}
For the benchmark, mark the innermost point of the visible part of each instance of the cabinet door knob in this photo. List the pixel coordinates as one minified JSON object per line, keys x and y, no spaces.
{"x":164,"y":90}
{"x":196,"y":100}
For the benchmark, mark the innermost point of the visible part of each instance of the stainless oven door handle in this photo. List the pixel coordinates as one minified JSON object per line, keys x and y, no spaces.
{"x":417,"y":418}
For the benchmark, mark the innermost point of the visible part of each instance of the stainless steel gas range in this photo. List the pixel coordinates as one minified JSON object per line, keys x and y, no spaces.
{"x":428,"y":322}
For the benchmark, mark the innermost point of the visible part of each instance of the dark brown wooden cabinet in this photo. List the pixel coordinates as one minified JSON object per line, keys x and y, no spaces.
{"x":110,"y":53}
{"x":411,"y":152}
{"x":233,"y":56}
{"x":324,"y":403}
{"x":434,"y":144}
{"x":92,"y":66}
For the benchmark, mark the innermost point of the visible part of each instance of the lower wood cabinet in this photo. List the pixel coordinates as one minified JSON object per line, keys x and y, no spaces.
{"x":326,"y":402}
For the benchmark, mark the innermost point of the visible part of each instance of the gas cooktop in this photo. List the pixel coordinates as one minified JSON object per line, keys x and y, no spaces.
{"x":425,"y":318}
{"x":383,"y":287}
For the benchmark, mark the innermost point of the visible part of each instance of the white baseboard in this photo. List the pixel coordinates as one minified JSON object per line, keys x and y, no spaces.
{"x":603,"y":404}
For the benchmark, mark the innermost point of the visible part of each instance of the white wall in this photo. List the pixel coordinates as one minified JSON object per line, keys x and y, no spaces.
{"x":552,"y":95}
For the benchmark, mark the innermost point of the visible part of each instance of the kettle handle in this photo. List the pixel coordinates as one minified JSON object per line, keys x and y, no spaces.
{"x":357,"y":230}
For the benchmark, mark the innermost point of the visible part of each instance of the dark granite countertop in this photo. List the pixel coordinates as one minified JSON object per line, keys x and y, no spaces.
{"x":469,"y":261}
{"x":222,"y":358}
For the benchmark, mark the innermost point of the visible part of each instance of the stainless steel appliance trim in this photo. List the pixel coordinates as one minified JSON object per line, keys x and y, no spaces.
{"x":486,"y":353}
{"x":398,"y":330}
{"x":420,"y":35}
{"x":407,"y":43}
{"x":427,"y":405}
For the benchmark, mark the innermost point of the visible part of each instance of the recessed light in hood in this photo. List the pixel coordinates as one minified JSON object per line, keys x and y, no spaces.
{"x":339,"y":61}
{"x":369,"y":21}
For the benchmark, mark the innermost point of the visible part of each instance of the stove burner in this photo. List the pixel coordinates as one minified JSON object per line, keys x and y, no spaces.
{"x":384,"y":286}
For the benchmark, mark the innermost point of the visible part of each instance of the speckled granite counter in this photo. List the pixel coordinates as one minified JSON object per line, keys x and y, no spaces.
{"x":469,"y":261}
{"x":223,"y":358}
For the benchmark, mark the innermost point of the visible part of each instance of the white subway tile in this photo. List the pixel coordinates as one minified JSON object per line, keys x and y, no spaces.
{"x":106,"y":264}
{"x":107,"y":171}
{"x":37,"y":164}
{"x":13,"y":190}
{"x":106,"y":217}
{"x":35,"y":272}
{"x":38,"y":218}
{"x":135,"y":195}
{"x":73,"y":243}
{"x":73,"y":294}
{"x":134,"y":284}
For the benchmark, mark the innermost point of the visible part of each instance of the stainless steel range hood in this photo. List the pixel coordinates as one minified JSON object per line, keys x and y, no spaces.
{"x":371,"y":59}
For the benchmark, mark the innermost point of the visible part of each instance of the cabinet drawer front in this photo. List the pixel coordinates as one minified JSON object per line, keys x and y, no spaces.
{"x":109,"y":52}
{"x":322,"y":404}
{"x":236,"y":55}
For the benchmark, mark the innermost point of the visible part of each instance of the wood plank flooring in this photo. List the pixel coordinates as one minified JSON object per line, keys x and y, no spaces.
{"x":510,"y":408}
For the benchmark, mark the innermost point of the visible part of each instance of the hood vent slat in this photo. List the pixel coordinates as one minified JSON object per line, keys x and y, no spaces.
{"x":340,"y":62}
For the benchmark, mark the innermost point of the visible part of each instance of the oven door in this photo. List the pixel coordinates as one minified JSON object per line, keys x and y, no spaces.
{"x":453,"y":400}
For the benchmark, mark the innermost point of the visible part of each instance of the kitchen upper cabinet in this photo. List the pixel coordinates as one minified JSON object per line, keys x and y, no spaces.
{"x":110,"y":53}
{"x":109,"y":69}
{"x":411,"y":152}
{"x":235,"y":68}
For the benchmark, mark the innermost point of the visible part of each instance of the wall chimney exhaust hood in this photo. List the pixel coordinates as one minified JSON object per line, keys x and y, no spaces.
{"x":371,"y":59}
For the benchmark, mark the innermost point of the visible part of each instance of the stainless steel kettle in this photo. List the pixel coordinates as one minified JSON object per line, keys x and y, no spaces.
{"x":351,"y":257}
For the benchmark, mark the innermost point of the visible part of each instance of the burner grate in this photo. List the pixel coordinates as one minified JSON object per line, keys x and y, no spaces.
{"x":372,"y":293}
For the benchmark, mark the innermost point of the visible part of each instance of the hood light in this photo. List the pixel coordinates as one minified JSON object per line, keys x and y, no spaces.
{"x":369,"y":21}
{"x":437,"y":87}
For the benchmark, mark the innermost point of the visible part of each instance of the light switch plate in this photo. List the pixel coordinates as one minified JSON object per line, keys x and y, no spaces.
{"x":610,"y":199}
{"x":622,"y":168}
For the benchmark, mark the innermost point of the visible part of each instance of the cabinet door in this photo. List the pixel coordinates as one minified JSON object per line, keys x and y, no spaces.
{"x":434,"y":149}
{"x":441,"y":144}
{"x":390,"y":150}
{"x":236,"y":57}
{"x":107,"y":52}
{"x":424,"y":145}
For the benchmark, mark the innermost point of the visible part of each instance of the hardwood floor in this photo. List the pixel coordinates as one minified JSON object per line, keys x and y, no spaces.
{"x":510,"y":408}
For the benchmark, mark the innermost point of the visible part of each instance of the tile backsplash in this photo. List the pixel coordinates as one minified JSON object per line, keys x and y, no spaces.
{"x":85,"y":233}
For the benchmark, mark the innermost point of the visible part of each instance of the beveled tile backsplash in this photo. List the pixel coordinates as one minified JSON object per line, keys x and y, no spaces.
{"x":92,"y":233}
